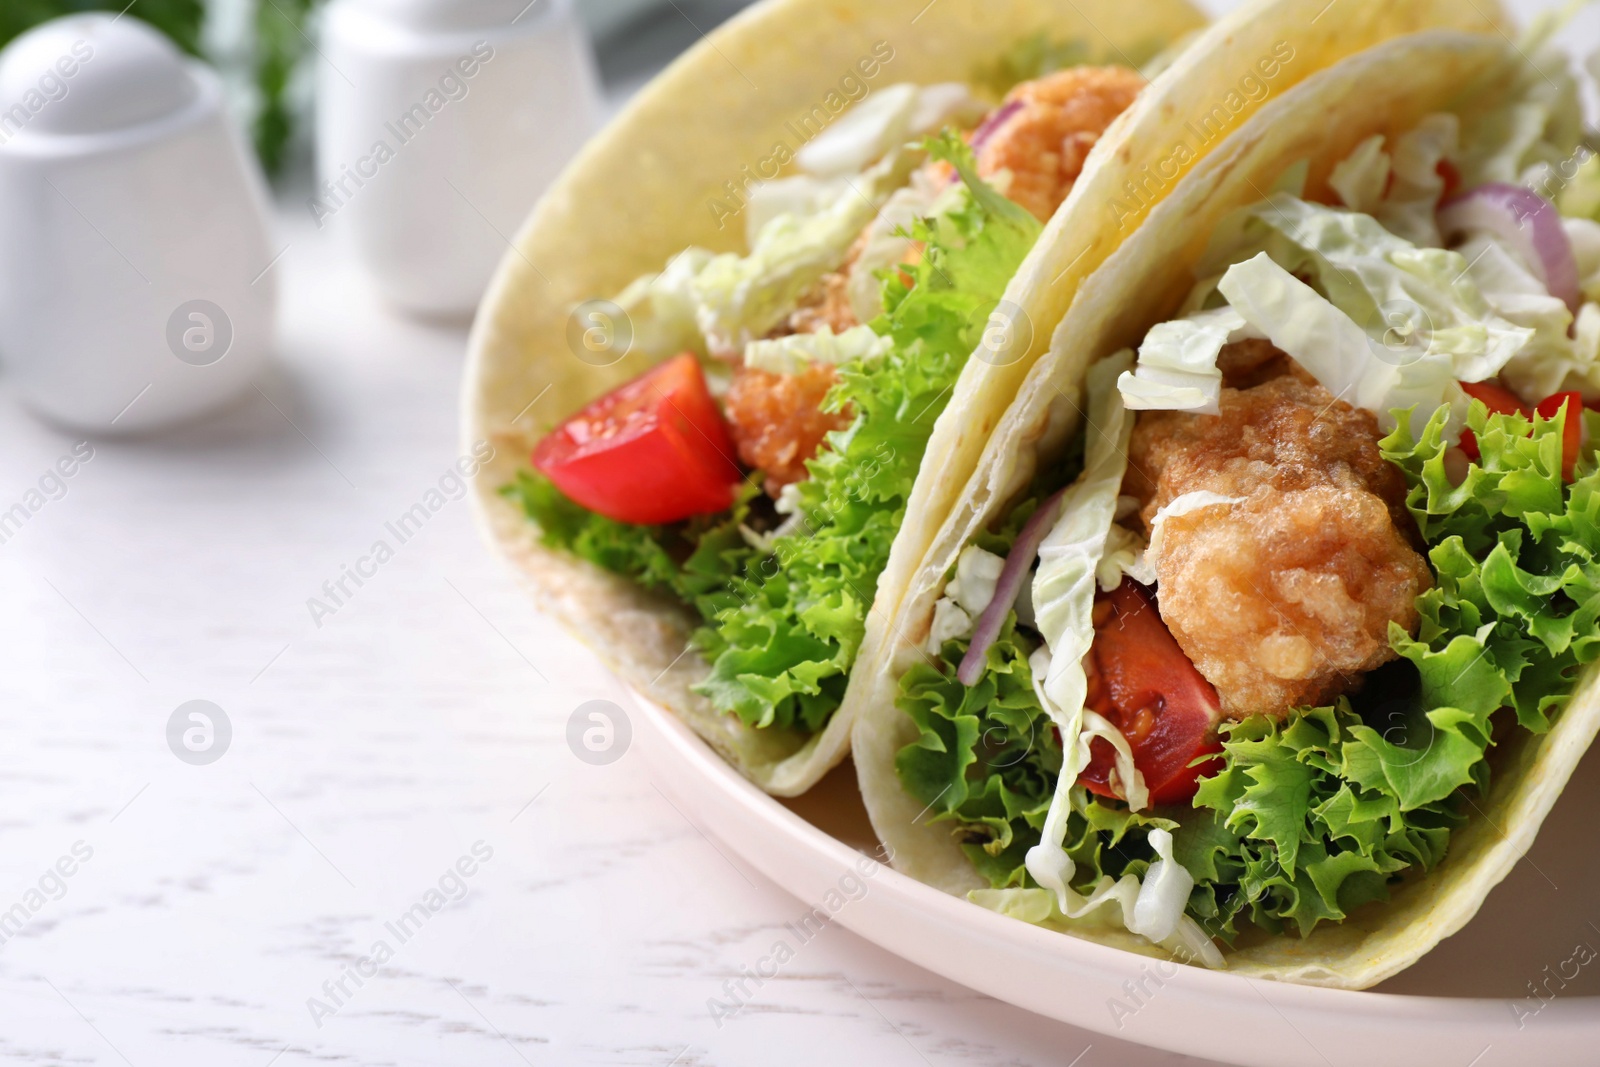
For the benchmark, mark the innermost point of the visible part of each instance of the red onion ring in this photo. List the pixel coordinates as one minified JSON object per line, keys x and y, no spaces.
{"x":1019,"y":561}
{"x":991,"y":125}
{"x":1526,"y":221}
{"x":987,"y":129}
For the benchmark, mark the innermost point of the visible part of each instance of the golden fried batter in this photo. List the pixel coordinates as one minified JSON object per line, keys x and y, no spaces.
{"x":828,"y":303}
{"x":1045,"y":143}
{"x":777,"y":420}
{"x":1245,"y":364}
{"x":1283,"y":600}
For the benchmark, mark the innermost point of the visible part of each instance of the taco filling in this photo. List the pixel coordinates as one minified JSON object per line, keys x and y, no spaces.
{"x":759,"y":473}
{"x":1239,"y":664}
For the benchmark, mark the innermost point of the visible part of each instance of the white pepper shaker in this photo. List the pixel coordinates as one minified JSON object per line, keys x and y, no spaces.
{"x":439,"y":123}
{"x":133,"y":230}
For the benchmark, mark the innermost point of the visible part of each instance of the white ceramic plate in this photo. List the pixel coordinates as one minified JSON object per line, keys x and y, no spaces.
{"x":1471,"y":1003}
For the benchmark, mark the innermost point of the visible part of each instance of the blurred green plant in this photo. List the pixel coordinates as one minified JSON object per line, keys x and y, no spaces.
{"x":179,"y":19}
{"x":281,"y":40}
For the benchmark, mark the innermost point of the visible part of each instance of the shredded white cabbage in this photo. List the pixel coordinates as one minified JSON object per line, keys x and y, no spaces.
{"x":741,"y":298}
{"x":1362,"y":177}
{"x":1529,"y":121}
{"x":1063,"y":597}
{"x":1388,"y":325}
{"x":1126,"y":554}
{"x":966,"y":597}
{"x":977,"y":573}
{"x":1348,"y":362}
{"x":950,"y":623}
{"x":1153,"y":909}
{"x":800,"y":196}
{"x":793,"y":353}
{"x":1163,"y":894}
{"x":661,"y":307}
{"x":1402,"y":188}
{"x":1177,"y":369}
{"x":884,"y":121}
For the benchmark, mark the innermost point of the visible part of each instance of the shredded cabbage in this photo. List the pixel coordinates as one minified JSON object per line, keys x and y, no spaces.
{"x":1384,"y":324}
{"x":1126,"y":554}
{"x":1177,"y":368}
{"x":1326,"y":342}
{"x":1523,"y":126}
{"x":882,"y":122}
{"x":792,"y":354}
{"x":661,"y":307}
{"x":1063,"y":601}
{"x":1402,"y":188}
{"x":1153,"y":908}
{"x":741,"y":298}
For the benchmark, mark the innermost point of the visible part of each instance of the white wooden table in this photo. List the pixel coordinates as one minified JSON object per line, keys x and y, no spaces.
{"x":368,"y":756}
{"x":225,"y":913}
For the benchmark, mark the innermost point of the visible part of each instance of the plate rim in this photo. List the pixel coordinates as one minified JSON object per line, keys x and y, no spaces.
{"x":1563,"y":1024}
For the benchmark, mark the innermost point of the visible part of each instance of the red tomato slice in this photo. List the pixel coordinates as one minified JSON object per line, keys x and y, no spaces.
{"x":1161,"y":703}
{"x":1571,"y":430}
{"x":1499,"y":400}
{"x":651,"y":451}
{"x":1502,"y":401}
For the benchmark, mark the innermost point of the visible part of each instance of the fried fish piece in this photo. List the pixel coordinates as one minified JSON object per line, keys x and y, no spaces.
{"x":1046,"y":142}
{"x":1283,"y":599}
{"x":777,"y":421}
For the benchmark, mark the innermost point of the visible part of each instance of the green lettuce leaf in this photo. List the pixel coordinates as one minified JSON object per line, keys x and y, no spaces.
{"x":783,"y":623}
{"x":1312,"y":817}
{"x":783,"y":653}
{"x":693,"y":561}
{"x":986,"y":764}
{"x":742,"y":298}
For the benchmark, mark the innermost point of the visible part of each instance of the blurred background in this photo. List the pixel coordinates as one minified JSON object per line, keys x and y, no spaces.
{"x":262,"y":49}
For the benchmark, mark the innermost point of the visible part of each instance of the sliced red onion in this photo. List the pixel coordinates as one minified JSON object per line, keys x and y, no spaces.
{"x":987,"y":129}
{"x":1018,"y":564}
{"x":991,"y":125}
{"x":1526,"y":221}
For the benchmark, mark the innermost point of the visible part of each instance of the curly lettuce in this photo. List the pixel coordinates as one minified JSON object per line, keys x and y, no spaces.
{"x":783,"y":621}
{"x":1312,"y":817}
{"x":782,"y":654}
{"x":988,"y":756}
{"x":696,"y":562}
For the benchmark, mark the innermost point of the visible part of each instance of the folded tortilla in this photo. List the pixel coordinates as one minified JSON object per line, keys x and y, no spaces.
{"x":1386,"y":89}
{"x":638,"y":195}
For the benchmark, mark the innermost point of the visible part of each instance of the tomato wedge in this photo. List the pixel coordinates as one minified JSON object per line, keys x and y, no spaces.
{"x":1571,"y":430}
{"x":651,"y":451}
{"x":1155,"y":696}
{"x":1499,"y":400}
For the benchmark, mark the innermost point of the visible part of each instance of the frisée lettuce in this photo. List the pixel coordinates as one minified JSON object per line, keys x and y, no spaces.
{"x":783,"y":653}
{"x":783,"y":604}
{"x":1313,"y":816}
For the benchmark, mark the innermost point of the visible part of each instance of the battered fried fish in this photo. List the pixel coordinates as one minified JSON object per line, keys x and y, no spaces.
{"x":1283,"y":599}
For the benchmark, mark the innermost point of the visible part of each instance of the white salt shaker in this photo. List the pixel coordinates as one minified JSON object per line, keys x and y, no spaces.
{"x":133,"y":230}
{"x":439,"y":123}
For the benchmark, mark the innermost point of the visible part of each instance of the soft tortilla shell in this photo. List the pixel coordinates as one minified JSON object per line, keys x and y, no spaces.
{"x":640,"y":193}
{"x":1384,"y":90}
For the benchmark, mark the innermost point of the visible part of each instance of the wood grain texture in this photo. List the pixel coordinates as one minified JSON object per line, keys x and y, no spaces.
{"x":368,"y":756}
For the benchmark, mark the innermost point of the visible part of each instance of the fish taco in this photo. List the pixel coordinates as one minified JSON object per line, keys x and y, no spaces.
{"x":783,"y":302}
{"x":1262,"y":636}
